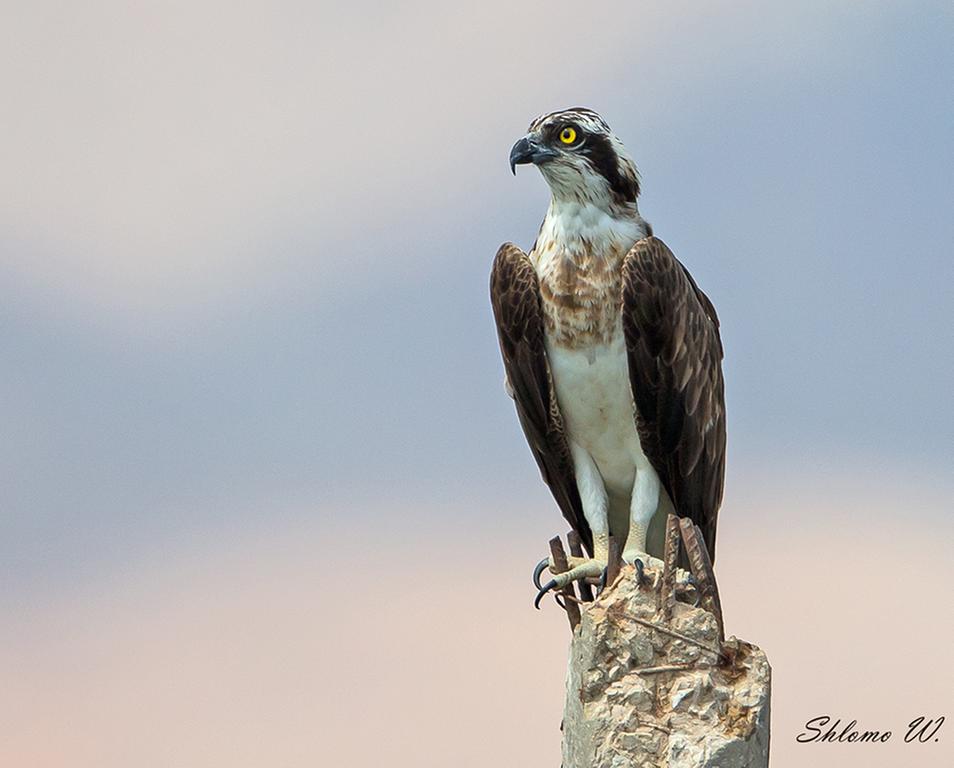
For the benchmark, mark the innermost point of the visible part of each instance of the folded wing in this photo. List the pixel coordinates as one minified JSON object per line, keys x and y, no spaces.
{"x":515,"y":296}
{"x":675,"y":370}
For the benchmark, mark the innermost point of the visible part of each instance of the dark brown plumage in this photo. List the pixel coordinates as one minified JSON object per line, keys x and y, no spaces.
{"x":675,"y":371}
{"x":515,"y":296}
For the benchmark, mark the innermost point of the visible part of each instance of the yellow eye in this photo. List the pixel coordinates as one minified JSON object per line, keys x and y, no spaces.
{"x":568,"y":135}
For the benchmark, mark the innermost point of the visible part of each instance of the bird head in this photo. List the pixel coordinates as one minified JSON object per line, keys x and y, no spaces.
{"x":580,"y":158}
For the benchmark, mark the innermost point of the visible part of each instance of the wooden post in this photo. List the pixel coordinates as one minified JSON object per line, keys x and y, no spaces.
{"x":667,"y":591}
{"x":615,"y":562}
{"x":560,"y":563}
{"x":702,"y":571}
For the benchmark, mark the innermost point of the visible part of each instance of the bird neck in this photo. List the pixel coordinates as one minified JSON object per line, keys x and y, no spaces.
{"x":585,"y":228}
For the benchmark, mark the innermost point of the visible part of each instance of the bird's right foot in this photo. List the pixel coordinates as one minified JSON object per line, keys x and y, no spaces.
{"x":580,"y":568}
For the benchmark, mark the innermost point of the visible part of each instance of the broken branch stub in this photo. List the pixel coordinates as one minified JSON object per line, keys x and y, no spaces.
{"x":560,"y":563}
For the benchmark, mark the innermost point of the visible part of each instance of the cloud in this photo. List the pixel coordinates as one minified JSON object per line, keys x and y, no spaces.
{"x":157,"y":161}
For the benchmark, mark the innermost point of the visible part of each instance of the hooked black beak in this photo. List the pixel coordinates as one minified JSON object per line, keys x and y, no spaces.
{"x":528,"y":151}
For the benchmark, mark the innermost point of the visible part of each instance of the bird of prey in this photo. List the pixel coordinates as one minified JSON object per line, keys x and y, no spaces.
{"x":612,"y":353}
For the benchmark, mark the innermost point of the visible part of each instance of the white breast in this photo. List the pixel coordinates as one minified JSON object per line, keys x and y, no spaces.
{"x":593,"y":391}
{"x":578,"y":256}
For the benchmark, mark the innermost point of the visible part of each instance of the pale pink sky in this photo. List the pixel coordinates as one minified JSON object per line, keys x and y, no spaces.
{"x":352,"y":647}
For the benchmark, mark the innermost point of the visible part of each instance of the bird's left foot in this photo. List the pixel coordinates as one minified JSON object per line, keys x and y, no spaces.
{"x":641,"y":561}
{"x":630,"y":556}
{"x":580,"y":568}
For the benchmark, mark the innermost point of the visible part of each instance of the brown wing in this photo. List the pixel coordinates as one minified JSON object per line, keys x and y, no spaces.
{"x":675,"y":371}
{"x":515,"y":296}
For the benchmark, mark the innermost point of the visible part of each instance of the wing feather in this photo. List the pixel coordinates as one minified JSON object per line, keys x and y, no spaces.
{"x":515,"y":296}
{"x":675,"y":370}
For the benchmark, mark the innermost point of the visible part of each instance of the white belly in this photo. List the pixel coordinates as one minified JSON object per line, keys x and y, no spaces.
{"x":593,"y":390}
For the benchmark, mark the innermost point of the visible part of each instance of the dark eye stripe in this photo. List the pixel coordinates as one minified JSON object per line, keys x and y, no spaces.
{"x":599,"y":151}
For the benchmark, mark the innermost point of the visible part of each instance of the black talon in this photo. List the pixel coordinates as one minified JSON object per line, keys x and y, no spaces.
{"x":602,"y":585}
{"x":541,"y":567}
{"x":640,"y":575}
{"x":543,"y":590}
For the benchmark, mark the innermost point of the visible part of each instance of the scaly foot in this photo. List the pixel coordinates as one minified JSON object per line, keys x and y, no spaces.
{"x":580,"y":568}
{"x":643,"y":561}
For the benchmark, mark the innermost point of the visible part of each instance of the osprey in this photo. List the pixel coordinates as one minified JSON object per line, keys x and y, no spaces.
{"x":612,"y":353}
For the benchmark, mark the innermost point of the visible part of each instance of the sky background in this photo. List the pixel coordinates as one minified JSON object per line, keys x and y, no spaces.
{"x":258,"y":471}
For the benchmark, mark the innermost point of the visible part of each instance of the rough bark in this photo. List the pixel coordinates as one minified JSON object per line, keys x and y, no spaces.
{"x":646,"y":691}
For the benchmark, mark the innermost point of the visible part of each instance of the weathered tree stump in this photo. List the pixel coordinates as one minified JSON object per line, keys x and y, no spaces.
{"x":651,"y":682}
